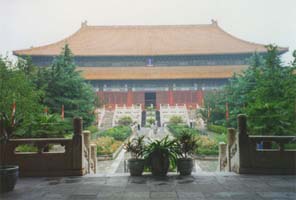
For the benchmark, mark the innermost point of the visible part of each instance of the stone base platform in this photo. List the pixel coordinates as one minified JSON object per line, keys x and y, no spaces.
{"x":123,"y":187}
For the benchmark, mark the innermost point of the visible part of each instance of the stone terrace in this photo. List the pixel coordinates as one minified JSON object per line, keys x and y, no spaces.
{"x":199,"y":186}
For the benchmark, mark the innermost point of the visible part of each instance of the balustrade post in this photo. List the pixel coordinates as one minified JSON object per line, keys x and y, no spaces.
{"x":94,"y":156}
{"x":86,"y":137}
{"x":222,"y":154}
{"x":230,"y":136}
{"x":243,"y":143}
{"x":78,"y":145}
{"x":230,"y":142}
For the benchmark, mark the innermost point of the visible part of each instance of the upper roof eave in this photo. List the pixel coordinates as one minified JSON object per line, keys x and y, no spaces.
{"x":281,"y":50}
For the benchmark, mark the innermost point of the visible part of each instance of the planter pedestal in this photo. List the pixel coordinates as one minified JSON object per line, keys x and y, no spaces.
{"x":8,"y":177}
{"x":185,"y":166}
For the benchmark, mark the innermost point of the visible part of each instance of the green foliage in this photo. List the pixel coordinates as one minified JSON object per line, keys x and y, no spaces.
{"x":136,"y":146}
{"x":178,"y":129}
{"x":164,"y":148}
{"x":15,"y":86}
{"x":209,"y":146}
{"x":217,"y":129}
{"x":107,"y":145}
{"x":63,"y":85}
{"x":45,"y":126}
{"x":93,"y":129}
{"x":26,"y":148}
{"x":118,"y":132}
{"x":125,"y":121}
{"x":176,"y":120}
{"x":187,"y":144}
{"x":266,"y":92}
{"x":151,"y":121}
{"x":272,"y":111}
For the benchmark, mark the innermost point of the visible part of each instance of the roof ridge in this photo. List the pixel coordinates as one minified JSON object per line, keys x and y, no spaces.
{"x":149,"y":26}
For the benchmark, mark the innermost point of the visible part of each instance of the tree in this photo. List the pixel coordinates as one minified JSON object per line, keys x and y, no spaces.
{"x":16,"y":87}
{"x":271,"y":105}
{"x":265,"y":91}
{"x":64,"y":86}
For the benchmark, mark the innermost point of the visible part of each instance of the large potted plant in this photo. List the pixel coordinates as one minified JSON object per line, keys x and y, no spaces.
{"x":159,"y":155}
{"x":187,"y":145}
{"x":8,"y":173}
{"x":136,"y":163}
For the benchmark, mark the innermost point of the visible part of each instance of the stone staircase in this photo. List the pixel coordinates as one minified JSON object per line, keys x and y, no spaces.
{"x":192,"y":114}
{"x":107,"y":120}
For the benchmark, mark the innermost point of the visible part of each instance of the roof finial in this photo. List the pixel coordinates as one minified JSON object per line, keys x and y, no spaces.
{"x":84,"y":24}
{"x":214,"y":22}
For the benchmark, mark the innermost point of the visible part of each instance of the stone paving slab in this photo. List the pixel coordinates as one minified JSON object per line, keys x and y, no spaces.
{"x":197,"y":187}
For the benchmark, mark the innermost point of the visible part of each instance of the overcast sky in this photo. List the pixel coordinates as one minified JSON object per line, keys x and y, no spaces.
{"x":26,"y":23}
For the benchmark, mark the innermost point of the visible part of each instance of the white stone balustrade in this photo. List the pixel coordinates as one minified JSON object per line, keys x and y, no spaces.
{"x":167,"y":111}
{"x":134,"y":112}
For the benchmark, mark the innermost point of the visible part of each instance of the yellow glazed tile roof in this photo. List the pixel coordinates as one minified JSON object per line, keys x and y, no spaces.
{"x":149,"y":40}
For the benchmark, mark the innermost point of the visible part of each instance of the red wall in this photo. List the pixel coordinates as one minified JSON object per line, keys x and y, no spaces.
{"x":190,"y":98}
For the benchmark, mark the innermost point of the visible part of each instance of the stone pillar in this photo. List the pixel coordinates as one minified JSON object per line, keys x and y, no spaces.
{"x":86,"y":137}
{"x":230,"y":142}
{"x":222,"y":154}
{"x":243,"y":143}
{"x":231,"y":136}
{"x":78,"y":145}
{"x":94,"y":156}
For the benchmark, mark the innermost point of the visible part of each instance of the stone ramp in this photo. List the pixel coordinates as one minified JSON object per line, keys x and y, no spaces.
{"x":199,"y":186}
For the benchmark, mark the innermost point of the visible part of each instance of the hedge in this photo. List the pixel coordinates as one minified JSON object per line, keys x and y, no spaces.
{"x":118,"y":132}
{"x":217,"y":129}
{"x":177,"y":129}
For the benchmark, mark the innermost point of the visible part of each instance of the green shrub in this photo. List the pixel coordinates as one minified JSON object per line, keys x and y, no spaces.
{"x":125,"y":121}
{"x":217,"y":129}
{"x":178,"y":129}
{"x":107,"y":145}
{"x":176,"y":120}
{"x":45,"y":126}
{"x":151,"y":121}
{"x":92,"y":129}
{"x":209,"y":146}
{"x":118,"y":132}
{"x":26,"y":148}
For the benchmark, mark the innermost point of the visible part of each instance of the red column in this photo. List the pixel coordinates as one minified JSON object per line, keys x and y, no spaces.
{"x":200,"y":97}
{"x":171,"y":97}
{"x":129,"y":98}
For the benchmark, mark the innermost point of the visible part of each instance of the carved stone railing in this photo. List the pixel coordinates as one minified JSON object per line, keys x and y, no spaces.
{"x":134,"y":112}
{"x":167,"y":111}
{"x":244,"y":156}
{"x":69,"y":162}
{"x":90,"y":153}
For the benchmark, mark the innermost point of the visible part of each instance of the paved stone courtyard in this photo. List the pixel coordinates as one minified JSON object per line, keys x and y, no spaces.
{"x":199,"y":186}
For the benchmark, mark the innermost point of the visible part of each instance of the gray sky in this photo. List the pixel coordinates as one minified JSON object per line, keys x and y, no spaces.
{"x":26,"y":23}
